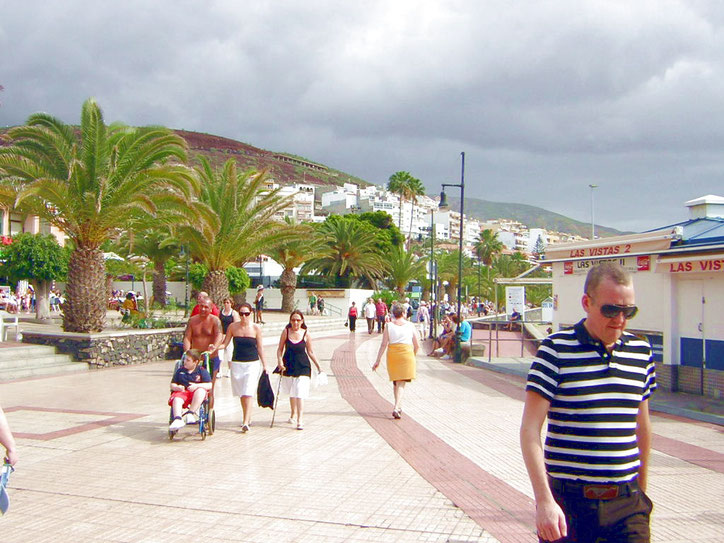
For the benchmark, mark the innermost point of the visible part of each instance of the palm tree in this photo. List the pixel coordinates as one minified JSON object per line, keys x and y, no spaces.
{"x":291,"y":254}
{"x":404,"y":185}
{"x":90,"y":183}
{"x":416,"y":188}
{"x":348,"y":252}
{"x":488,"y":246}
{"x":448,"y":267}
{"x":403,"y":267}
{"x":237,"y":222}
{"x":159,"y":246}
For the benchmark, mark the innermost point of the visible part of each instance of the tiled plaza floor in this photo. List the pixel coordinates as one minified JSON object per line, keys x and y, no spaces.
{"x":97,"y":465}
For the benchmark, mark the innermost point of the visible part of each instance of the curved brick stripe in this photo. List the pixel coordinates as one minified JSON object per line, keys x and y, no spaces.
{"x":513,"y":386}
{"x":495,"y":506}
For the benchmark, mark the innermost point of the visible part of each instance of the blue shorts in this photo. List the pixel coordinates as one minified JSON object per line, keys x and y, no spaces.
{"x":216,"y":364}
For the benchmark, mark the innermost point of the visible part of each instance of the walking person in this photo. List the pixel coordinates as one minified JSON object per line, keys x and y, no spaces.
{"x":7,"y":440}
{"x":401,"y":342}
{"x":312,"y":303}
{"x":370,"y":311}
{"x":259,"y":305}
{"x":247,"y":361}
{"x":423,"y":319}
{"x":294,"y":354}
{"x":380,"y":314}
{"x":228,"y":315}
{"x":320,"y":304}
{"x":203,"y":332}
{"x":352,"y":317}
{"x":593,"y":383}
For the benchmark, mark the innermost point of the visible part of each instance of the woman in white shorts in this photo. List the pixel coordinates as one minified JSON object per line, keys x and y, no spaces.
{"x":247,"y":362}
{"x":293,"y":361}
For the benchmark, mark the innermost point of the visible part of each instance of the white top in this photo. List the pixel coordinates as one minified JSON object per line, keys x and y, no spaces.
{"x":400,"y":333}
{"x":370,"y":311}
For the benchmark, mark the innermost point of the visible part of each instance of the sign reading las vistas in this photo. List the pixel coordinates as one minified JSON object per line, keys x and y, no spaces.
{"x":695,"y":266}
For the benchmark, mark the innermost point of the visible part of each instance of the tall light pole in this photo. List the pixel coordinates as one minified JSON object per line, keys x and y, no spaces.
{"x":444,"y":205}
{"x":593,"y":224}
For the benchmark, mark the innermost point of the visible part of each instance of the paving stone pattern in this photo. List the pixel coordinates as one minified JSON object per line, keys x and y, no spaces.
{"x":97,"y":465}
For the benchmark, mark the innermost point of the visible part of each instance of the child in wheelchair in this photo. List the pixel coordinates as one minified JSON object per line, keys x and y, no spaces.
{"x":190,"y":385}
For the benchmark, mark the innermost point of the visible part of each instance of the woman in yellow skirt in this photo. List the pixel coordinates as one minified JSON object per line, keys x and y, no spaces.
{"x":401,"y":341}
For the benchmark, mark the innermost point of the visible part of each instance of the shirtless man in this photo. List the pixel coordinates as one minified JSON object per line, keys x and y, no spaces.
{"x":203,"y":332}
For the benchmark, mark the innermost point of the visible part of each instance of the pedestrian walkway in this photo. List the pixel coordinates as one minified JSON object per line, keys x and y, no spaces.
{"x":97,"y":466}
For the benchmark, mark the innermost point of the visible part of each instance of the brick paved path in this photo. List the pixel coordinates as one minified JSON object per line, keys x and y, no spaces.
{"x":97,"y":466}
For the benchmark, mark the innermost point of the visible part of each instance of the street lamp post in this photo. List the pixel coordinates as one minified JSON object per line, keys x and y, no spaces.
{"x":185,"y":252}
{"x":433,"y":305}
{"x":444,"y":205}
{"x":593,"y":224}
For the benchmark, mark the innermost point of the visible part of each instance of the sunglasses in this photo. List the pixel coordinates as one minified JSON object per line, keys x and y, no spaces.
{"x":611,"y":311}
{"x":244,"y":313}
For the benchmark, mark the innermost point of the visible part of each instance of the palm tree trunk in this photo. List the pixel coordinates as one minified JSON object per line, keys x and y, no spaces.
{"x":159,"y":282}
{"x":288,"y":284}
{"x":84,"y":310}
{"x":42,"y":307}
{"x":217,"y":285}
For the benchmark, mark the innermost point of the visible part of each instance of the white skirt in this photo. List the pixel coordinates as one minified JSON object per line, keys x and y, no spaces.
{"x":296,"y":387}
{"x":245,"y":377}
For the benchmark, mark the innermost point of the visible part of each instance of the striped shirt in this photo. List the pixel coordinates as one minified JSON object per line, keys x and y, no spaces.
{"x":595,"y":397}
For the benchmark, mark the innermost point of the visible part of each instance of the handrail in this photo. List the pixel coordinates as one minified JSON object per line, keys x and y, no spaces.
{"x":333,"y":309}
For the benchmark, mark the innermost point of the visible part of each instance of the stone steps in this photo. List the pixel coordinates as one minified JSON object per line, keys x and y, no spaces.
{"x":21,"y":361}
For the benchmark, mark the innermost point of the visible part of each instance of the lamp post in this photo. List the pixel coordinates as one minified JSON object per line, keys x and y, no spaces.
{"x":184,"y":252}
{"x":433,"y":297}
{"x":593,"y":225}
{"x":444,"y":205}
{"x":477,"y":309}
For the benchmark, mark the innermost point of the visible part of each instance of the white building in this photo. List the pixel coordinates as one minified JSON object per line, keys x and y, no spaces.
{"x":302,"y":206}
{"x":678,"y":273}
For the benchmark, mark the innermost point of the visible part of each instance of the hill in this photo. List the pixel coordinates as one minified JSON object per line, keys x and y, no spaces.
{"x":531,"y":216}
{"x":284,"y":168}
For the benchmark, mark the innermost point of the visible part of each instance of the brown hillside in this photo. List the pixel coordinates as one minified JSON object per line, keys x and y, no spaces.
{"x":285,"y":169}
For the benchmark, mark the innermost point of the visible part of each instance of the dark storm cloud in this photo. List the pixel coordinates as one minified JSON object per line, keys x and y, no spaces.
{"x":544,"y":97}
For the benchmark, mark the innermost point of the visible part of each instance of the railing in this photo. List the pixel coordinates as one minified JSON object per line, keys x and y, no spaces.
{"x":332,"y":309}
{"x":528,"y":333}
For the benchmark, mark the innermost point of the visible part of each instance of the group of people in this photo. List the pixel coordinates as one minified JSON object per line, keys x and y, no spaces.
{"x":233,"y":334}
{"x":316,"y":304}
{"x":591,"y":382}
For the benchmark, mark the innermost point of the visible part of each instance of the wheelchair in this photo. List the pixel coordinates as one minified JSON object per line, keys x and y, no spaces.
{"x":206,"y":421}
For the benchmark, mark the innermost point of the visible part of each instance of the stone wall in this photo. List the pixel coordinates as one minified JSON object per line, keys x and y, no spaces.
{"x":113,"y":348}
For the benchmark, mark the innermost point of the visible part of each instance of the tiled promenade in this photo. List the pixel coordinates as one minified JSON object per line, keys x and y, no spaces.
{"x":97,"y":466}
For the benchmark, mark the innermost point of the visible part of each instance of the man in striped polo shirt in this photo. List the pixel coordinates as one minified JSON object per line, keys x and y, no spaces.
{"x":593,"y":383}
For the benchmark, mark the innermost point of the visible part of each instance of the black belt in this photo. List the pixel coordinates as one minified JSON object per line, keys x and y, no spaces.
{"x":594,"y":491}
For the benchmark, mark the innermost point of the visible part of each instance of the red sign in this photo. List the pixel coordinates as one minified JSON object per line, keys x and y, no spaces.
{"x":712,"y":265}
{"x":568,"y":268}
{"x":643,"y":263}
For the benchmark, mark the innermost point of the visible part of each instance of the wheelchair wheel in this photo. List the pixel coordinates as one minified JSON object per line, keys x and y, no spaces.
{"x":204,"y":433}
{"x":171,"y":435}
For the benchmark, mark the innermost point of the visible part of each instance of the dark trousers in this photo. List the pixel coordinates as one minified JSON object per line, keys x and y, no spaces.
{"x":624,"y":519}
{"x":380,"y":323}
{"x":370,"y":325}
{"x":352,"y":323}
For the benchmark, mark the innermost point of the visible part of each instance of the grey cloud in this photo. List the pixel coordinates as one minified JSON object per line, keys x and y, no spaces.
{"x":544,"y":97}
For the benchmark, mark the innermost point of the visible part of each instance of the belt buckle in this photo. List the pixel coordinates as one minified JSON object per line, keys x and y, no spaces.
{"x":601,"y":492}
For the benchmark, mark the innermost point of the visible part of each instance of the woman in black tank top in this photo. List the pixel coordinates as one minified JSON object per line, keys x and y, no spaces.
{"x":248,"y":353}
{"x":294,"y":354}
{"x":228,"y":315}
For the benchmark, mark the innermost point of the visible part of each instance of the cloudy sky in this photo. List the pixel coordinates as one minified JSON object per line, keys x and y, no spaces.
{"x":544,"y":97}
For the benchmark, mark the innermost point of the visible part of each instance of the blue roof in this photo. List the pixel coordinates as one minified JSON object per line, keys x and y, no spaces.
{"x":703,"y":231}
